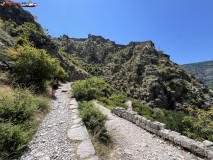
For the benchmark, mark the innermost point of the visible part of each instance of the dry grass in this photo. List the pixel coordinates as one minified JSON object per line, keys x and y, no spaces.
{"x":5,"y":90}
{"x":103,"y":151}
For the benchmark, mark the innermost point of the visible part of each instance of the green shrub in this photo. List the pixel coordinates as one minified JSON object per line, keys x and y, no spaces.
{"x":199,"y":124}
{"x":62,"y":75}
{"x":17,"y":121}
{"x":20,"y":41}
{"x":74,"y":61}
{"x":94,"y":121}
{"x":17,"y":110}
{"x":13,"y":139}
{"x":143,"y":110}
{"x":93,"y":118}
{"x":89,"y":89}
{"x":115,"y":100}
{"x":42,"y":103}
{"x":172,"y":119}
{"x":34,"y":67}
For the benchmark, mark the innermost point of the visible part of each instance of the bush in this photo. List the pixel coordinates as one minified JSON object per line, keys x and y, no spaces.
{"x":94,"y":121}
{"x":143,"y":110}
{"x":13,"y":139}
{"x":74,"y":61}
{"x":93,"y":118}
{"x":89,"y":89}
{"x":34,"y":67}
{"x":172,"y":119}
{"x":199,"y":124}
{"x":42,"y":103}
{"x":17,"y":121}
{"x":17,"y":110}
{"x":116,"y":100}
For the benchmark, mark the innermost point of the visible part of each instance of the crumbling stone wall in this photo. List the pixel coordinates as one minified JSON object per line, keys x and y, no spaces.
{"x":204,"y":148}
{"x":143,"y":44}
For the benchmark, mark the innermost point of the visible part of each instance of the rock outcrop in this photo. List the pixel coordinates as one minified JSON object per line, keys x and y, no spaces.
{"x":15,"y":14}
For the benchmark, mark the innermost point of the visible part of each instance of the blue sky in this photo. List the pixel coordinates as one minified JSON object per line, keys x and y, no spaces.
{"x":182,"y":28}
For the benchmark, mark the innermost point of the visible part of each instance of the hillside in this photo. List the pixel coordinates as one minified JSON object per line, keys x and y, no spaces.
{"x":138,"y":70}
{"x":202,"y":71}
{"x":15,"y":22}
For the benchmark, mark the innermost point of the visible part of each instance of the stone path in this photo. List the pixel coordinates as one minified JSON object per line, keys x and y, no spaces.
{"x":135,"y":143}
{"x":62,"y":135}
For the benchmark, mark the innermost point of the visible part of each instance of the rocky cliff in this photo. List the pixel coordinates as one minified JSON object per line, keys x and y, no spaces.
{"x":16,"y":17}
{"x":140,"y":71}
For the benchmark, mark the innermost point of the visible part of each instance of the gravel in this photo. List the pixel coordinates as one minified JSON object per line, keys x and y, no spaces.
{"x":50,"y":141}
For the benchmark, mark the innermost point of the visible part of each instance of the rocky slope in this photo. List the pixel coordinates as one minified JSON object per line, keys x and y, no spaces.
{"x":140,"y":71}
{"x":16,"y":16}
{"x":202,"y":71}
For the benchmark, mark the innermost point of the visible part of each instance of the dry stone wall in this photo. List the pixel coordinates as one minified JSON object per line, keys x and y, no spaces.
{"x":204,"y":148}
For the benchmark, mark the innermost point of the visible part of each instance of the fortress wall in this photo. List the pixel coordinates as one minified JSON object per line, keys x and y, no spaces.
{"x":204,"y":148}
{"x":143,"y":44}
{"x":79,"y":39}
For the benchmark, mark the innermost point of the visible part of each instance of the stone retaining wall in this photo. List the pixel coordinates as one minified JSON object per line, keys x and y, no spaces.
{"x":204,"y":148}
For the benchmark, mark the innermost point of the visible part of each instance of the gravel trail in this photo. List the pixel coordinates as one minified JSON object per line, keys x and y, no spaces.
{"x":50,"y":141}
{"x":134,"y":143}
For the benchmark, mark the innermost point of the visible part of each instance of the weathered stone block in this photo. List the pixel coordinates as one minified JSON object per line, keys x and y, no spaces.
{"x":158,"y":125}
{"x":165,"y":133}
{"x":159,"y":133}
{"x":209,"y":154}
{"x":132,"y":116}
{"x":124,"y":115}
{"x":208,"y":144}
{"x":173,"y":135}
{"x":144,"y":120}
{"x":154,"y":130}
{"x":139,"y":121}
{"x":142,"y":125}
{"x":155,"y":125}
{"x":148,"y":128}
{"x":177,"y":139}
{"x":198,"y":148}
{"x":187,"y":143}
{"x":135,"y":118}
{"x":148,"y":122}
{"x":162,"y":126}
{"x":120,"y":112}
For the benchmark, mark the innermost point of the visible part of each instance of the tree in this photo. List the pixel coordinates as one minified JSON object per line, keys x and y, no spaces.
{"x":34,"y":67}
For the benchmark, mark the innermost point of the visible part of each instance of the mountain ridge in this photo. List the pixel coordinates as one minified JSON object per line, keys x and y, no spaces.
{"x":201,"y":70}
{"x":138,"y":70}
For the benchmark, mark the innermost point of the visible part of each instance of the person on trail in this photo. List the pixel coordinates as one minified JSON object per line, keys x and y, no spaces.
{"x":54,"y":87}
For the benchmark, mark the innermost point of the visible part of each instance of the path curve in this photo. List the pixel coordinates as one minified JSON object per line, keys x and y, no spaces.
{"x":135,"y":143}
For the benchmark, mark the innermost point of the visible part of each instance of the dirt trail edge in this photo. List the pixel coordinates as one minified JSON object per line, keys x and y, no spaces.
{"x":134,"y":143}
{"x":62,"y":134}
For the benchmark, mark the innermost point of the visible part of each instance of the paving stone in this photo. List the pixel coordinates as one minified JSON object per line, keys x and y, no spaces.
{"x":73,"y":102}
{"x":94,"y":158}
{"x":72,"y":106}
{"x":85,"y":149}
{"x":79,"y":133}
